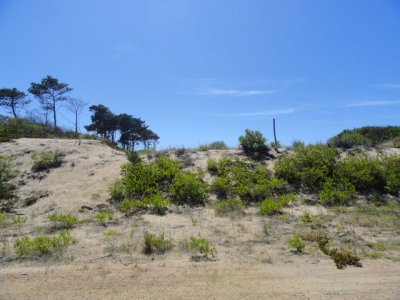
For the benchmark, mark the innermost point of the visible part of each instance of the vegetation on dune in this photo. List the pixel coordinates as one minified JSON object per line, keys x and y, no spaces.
{"x":154,"y":185}
{"x":45,"y":160}
{"x":217,"y":145}
{"x":318,"y":168}
{"x":6,"y":174}
{"x":26,"y":247}
{"x":200,"y":245}
{"x":157,"y":244}
{"x":365,"y":136}
{"x":253,"y":144}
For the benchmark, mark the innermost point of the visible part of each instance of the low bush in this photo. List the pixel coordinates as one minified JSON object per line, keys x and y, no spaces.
{"x":66,"y":221}
{"x":391,"y":167}
{"x":133,"y":157}
{"x":6,"y":174}
{"x":158,"y":204}
{"x":154,"y":243}
{"x":248,"y":181}
{"x":200,"y":245}
{"x":45,"y":160}
{"x":104,"y":216}
{"x":270,"y":207}
{"x":344,"y":257}
{"x":348,"y":139}
{"x":364,"y":173}
{"x":295,"y":242}
{"x":41,"y":245}
{"x":307,"y":167}
{"x":336,"y":193}
{"x":306,"y":217}
{"x":218,"y":145}
{"x":368,"y":135}
{"x":227,"y":206}
{"x":3,"y":219}
{"x":221,"y":187}
{"x":253,"y":144}
{"x":187,"y":188}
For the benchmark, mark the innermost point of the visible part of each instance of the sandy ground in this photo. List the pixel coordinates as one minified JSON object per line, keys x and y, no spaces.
{"x":252,"y":260}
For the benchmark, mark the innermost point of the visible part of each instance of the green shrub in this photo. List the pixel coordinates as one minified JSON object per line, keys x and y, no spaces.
{"x":253,"y":144}
{"x":66,"y":221}
{"x":295,"y":242}
{"x":306,"y":217}
{"x":218,"y":145}
{"x":336,"y":193}
{"x":270,"y":207}
{"x":3,"y":219}
{"x":200,"y":245}
{"x":204,"y":147}
{"x":133,"y":157}
{"x":187,"y":188}
{"x":158,"y":204}
{"x":41,"y":245}
{"x":212,"y":166}
{"x":221,"y":187}
{"x":391,"y":166}
{"x":19,"y":220}
{"x":366,"y":174}
{"x":349,"y":139}
{"x":6,"y":174}
{"x":286,"y":199}
{"x":250,"y":182}
{"x":104,"y":216}
{"x":46,"y":160}
{"x":227,"y":206}
{"x":155,"y":244}
{"x":308,"y":167}
{"x":373,"y":135}
{"x":344,"y":257}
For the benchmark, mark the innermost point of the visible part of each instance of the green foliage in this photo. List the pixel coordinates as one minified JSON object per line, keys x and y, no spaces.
{"x":66,"y":221}
{"x":306,"y":217}
{"x":286,"y":199}
{"x":212,"y":166}
{"x":253,"y":144}
{"x":364,"y":173}
{"x":133,"y":157}
{"x":308,"y":167}
{"x":295,"y":242}
{"x":154,"y":243}
{"x":270,"y":207}
{"x":238,"y":178}
{"x":348,"y":139}
{"x":3,"y":219}
{"x":13,"y":100}
{"x":158,"y":204}
{"x":6,"y":174}
{"x":368,"y":135}
{"x":230,"y":205}
{"x":344,"y":257}
{"x":217,"y":145}
{"x":336,"y":192}
{"x":46,"y":160}
{"x":221,"y":187}
{"x":391,"y":167}
{"x":200,"y":245}
{"x":41,"y":245}
{"x":187,"y":188}
{"x":19,"y":220}
{"x":104,"y":216}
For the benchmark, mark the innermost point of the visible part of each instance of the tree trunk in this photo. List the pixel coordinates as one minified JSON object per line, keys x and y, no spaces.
{"x":76,"y":123}
{"x":54,"y":114}
{"x":13,"y":108}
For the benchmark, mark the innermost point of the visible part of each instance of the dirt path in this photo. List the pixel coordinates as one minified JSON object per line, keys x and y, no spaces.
{"x":209,"y":280}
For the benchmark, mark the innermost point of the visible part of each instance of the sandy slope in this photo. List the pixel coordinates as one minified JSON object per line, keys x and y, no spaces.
{"x":252,"y":261}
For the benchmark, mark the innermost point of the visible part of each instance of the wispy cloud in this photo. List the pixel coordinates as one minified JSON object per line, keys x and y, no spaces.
{"x":238,"y":93}
{"x":263,"y":113}
{"x":374,"y":103}
{"x":387,"y":85}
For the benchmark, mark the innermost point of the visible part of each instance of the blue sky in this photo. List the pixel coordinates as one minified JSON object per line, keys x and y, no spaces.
{"x":199,"y":71}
